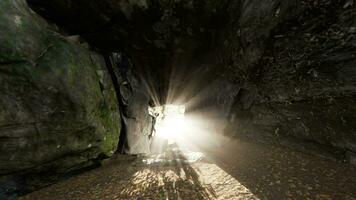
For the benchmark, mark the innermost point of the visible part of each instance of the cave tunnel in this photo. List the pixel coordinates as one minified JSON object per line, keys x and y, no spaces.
{"x":177,"y":99}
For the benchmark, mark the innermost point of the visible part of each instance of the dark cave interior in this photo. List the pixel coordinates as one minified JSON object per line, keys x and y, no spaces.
{"x":268,"y":88}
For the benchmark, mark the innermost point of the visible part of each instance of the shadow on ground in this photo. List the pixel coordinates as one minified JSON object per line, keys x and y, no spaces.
{"x":172,"y":177}
{"x":280,"y":173}
{"x":236,"y":170}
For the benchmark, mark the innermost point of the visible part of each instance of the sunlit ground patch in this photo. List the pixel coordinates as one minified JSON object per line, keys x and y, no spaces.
{"x":177,"y":171}
{"x":169,"y":157}
{"x":185,"y":180}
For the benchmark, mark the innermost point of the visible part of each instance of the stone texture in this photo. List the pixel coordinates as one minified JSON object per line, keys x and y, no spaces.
{"x":282,"y":71}
{"x":58,"y":108}
{"x":292,"y":61}
{"x":134,"y":100}
{"x":296,"y":64}
{"x":164,"y":38}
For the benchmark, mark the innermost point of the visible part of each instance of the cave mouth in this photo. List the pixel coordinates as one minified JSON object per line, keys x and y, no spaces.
{"x":169,"y":121}
{"x":80,"y":81}
{"x":169,"y":124}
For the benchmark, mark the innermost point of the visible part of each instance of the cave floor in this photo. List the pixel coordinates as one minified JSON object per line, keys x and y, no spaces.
{"x":236,"y":170}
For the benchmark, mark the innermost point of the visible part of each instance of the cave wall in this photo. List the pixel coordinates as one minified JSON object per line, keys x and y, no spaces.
{"x":134,"y":101}
{"x":58,"y":107}
{"x":296,"y":64}
{"x":291,"y":62}
{"x":165,"y":39}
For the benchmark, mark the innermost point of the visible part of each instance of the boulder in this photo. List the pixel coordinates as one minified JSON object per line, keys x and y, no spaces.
{"x":58,"y":107}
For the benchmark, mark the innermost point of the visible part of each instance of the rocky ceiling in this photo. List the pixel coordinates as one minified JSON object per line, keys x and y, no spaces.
{"x":155,"y":33}
{"x":284,"y":74}
{"x":293,"y":60}
{"x":134,"y":24}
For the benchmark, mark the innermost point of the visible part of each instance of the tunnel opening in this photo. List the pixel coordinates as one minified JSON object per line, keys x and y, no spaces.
{"x":162,"y":81}
{"x":169,"y":124}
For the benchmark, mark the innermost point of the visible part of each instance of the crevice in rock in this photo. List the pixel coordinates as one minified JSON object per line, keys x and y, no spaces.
{"x":275,"y":72}
{"x":122,"y":144}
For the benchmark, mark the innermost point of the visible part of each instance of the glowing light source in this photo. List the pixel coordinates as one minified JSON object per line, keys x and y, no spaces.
{"x":170,"y":121}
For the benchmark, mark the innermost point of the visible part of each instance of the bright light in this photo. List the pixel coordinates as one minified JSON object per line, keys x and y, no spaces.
{"x":184,"y":179}
{"x":170,"y":121}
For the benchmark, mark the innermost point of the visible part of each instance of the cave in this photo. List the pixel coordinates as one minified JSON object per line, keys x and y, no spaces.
{"x":177,"y":99}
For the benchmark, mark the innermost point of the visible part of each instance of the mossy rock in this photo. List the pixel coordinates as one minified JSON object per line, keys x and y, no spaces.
{"x":53,"y":102}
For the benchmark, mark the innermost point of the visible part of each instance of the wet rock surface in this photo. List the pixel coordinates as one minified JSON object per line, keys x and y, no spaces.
{"x":240,"y":170}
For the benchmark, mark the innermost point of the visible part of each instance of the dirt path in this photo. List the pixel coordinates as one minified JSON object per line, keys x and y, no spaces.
{"x":237,"y":170}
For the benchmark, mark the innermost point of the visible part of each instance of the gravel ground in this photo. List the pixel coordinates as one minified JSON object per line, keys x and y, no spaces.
{"x":236,"y":170}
